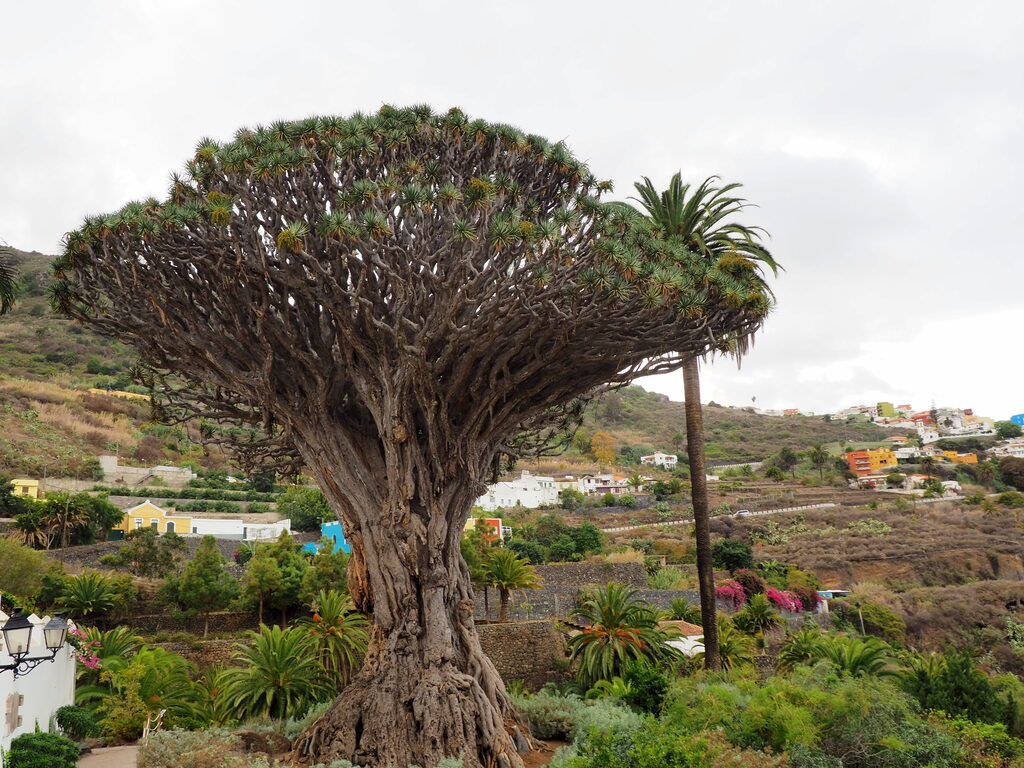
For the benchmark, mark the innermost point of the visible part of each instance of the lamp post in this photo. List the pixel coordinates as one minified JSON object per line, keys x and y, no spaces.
{"x":17,"y":631}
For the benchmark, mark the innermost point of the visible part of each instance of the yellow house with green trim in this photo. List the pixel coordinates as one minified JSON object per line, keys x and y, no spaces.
{"x":149,"y":515}
{"x":26,"y":487}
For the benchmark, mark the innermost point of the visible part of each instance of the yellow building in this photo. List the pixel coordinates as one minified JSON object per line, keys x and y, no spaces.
{"x":960,"y":458}
{"x":150,"y":515}
{"x":869,"y":462}
{"x":26,"y":487}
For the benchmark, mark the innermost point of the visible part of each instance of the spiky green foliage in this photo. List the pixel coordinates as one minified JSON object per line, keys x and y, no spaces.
{"x":857,"y":656}
{"x":339,"y":634}
{"x":8,"y":280}
{"x":279,"y":675}
{"x":88,"y":594}
{"x":622,"y":629}
{"x":800,"y":647}
{"x":522,"y":207}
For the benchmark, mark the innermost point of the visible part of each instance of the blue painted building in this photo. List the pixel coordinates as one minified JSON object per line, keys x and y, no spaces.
{"x":333,"y":531}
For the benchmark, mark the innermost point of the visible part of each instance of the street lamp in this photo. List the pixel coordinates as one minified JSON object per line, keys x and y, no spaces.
{"x":17,"y":631}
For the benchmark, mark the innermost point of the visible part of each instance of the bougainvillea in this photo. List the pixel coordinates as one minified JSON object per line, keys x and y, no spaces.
{"x":84,"y":648}
{"x":731,"y":592}
{"x":784,"y":600}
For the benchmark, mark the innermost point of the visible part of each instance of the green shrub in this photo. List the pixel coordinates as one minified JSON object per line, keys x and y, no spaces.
{"x":77,"y":722}
{"x":42,"y":750}
{"x":215,"y":748}
{"x":550,"y":716}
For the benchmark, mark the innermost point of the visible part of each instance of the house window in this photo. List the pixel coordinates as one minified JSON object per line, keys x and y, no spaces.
{"x":154,"y":524}
{"x":195,"y":529}
{"x":170,"y":526}
{"x":138,"y":522}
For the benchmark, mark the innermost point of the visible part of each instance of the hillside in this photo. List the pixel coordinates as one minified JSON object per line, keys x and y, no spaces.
{"x":49,"y":421}
{"x":647,"y":421}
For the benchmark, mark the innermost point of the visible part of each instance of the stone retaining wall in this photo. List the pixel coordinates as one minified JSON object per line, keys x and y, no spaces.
{"x":531,"y":651}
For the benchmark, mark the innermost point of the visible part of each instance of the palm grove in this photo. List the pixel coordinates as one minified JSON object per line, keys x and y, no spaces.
{"x":394,"y":300}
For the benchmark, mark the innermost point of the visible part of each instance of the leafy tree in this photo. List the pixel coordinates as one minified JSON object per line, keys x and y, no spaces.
{"x":952,"y":684}
{"x":152,"y":680}
{"x":339,"y":635}
{"x":508,"y":573}
{"x":819,"y":457}
{"x":602,"y":448}
{"x":786,"y":459}
{"x":622,"y":629}
{"x":10,"y":504}
{"x":563,"y":549}
{"x":263,"y":480}
{"x":732,"y":554}
{"x":609,"y":500}
{"x":528,"y":550}
{"x":327,"y":570}
{"x":587,"y":537}
{"x":895,"y":479}
{"x":21,"y":568}
{"x":774,"y":473}
{"x":277,"y":674}
{"x":1012,"y":471}
{"x":382,"y":381}
{"x":205,"y":585}
{"x":147,"y":553}
{"x":570,"y":498}
{"x":262,"y":578}
{"x":1007,"y":430}
{"x":293,"y":566}
{"x":307,"y":508}
{"x":627,"y":500}
{"x":646,"y":688}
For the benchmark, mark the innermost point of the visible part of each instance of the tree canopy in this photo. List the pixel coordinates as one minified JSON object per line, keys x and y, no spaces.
{"x":401,"y":302}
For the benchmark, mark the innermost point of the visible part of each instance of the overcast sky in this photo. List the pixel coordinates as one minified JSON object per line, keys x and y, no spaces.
{"x":882,"y":141}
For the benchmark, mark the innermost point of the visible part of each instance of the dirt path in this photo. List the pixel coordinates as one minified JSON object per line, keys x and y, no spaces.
{"x":110,"y":757}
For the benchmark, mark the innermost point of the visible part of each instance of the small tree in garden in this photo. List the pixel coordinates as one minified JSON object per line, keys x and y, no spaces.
{"x":395,"y":301}
{"x":262,"y":578}
{"x":205,"y":585}
{"x":508,"y":573}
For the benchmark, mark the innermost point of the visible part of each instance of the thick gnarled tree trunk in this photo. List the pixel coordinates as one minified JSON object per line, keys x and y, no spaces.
{"x":426,"y":689}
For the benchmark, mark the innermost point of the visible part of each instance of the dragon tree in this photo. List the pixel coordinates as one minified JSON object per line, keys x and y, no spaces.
{"x":404,"y":302}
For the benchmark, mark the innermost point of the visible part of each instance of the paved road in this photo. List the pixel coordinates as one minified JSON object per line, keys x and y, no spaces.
{"x":110,"y":757}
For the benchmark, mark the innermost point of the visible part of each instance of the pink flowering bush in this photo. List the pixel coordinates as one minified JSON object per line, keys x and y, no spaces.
{"x":84,"y":648}
{"x":784,"y":600}
{"x":731,"y":592}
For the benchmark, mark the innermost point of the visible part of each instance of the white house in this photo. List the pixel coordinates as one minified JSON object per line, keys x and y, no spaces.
{"x":659,"y":459}
{"x":224,"y":528}
{"x":530,"y":491}
{"x":32,"y":700}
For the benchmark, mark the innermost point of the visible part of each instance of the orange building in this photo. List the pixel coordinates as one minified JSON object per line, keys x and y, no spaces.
{"x":866,"y":462}
{"x":960,"y":458}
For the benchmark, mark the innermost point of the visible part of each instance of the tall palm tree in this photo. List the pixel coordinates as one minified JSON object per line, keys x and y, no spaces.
{"x":819,"y":456}
{"x":8,"y":280}
{"x":507,"y":572}
{"x":702,"y":219}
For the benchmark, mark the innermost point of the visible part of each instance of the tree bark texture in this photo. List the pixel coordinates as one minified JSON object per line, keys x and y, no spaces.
{"x":426,"y":690}
{"x":701,"y":513}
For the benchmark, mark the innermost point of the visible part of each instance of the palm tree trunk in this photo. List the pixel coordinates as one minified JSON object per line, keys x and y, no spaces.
{"x":261,"y":610}
{"x":503,"y":613}
{"x":701,"y":515}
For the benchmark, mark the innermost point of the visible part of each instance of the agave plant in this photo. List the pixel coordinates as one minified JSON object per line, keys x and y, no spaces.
{"x":339,"y":634}
{"x":622,"y":629}
{"x":279,"y":675}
